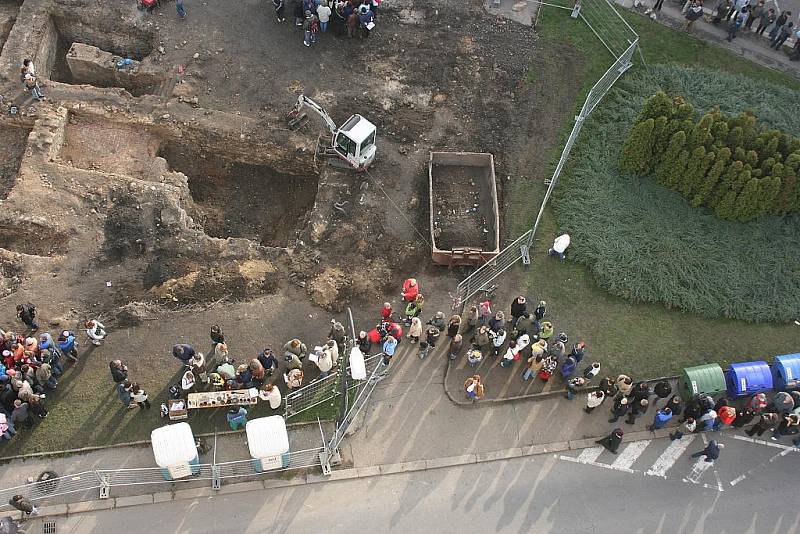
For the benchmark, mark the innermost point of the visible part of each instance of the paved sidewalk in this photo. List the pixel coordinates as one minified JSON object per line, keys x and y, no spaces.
{"x":747,"y":44}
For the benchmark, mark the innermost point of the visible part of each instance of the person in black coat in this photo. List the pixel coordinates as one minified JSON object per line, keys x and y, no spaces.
{"x":743,"y":417}
{"x":662,"y":389}
{"x":519,"y":306}
{"x":119,"y":372}
{"x":268,"y":361}
{"x":608,"y":387}
{"x":638,"y":408}
{"x":675,"y":403}
{"x":540,"y":310}
{"x":619,"y":409}
{"x":612,"y":441}
{"x":640,"y":391}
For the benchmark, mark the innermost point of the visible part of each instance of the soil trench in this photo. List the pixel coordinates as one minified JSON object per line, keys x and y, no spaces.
{"x":237,"y":199}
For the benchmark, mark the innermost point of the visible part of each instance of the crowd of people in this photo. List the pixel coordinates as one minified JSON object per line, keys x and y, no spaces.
{"x":741,"y":16}
{"x":30,"y":368}
{"x":354,"y":18}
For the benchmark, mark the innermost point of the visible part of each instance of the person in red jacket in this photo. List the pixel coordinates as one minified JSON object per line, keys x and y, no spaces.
{"x":386,"y":311}
{"x":725,"y":416}
{"x":410,"y":289}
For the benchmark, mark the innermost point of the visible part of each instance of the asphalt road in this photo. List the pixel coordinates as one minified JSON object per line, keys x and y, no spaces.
{"x":547,"y":493}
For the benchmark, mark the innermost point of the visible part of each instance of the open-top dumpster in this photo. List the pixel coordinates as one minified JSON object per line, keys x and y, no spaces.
{"x":464,"y":217}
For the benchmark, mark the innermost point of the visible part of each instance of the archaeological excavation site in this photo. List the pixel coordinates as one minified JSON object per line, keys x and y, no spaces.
{"x":160,"y":171}
{"x":181,"y":173}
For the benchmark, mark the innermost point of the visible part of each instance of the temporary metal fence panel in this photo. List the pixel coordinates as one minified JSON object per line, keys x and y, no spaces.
{"x":151,"y":475}
{"x":313,"y":394}
{"x":622,"y":41}
{"x":304,"y":459}
{"x":86,"y":481}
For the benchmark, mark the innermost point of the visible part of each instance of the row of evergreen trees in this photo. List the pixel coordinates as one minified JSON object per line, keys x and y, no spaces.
{"x":732,"y":165}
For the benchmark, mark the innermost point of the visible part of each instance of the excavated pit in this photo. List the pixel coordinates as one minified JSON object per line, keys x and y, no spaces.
{"x":238,"y":199}
{"x":8,"y":15}
{"x":89,"y":60}
{"x":31,"y":238}
{"x":12,"y":148}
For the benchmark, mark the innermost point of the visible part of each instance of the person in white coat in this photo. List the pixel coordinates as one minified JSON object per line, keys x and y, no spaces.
{"x":559,"y":247}
{"x":273,"y":395}
{"x":323,"y":360}
{"x":593,"y":400}
{"x":96,"y":331}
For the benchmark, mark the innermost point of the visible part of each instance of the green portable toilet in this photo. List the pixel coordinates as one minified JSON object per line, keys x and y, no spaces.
{"x":707,"y":379}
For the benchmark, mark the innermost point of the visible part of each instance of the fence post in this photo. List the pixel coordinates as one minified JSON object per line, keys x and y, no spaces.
{"x":105,"y":484}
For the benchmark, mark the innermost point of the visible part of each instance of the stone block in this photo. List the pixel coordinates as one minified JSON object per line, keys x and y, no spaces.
{"x":403,"y":467}
{"x":133,"y":500}
{"x":254,"y":485}
{"x":90,"y":506}
{"x":504,"y":454}
{"x":464,"y":459}
{"x":193,"y":493}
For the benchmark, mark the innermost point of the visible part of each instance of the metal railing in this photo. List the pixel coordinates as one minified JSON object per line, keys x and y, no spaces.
{"x":622,"y":41}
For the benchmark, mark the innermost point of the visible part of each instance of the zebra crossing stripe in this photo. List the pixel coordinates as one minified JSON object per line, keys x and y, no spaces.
{"x":588,"y":456}
{"x":630,"y":454}
{"x":670,"y":456}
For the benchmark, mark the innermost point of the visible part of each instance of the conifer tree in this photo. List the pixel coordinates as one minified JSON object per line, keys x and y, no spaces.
{"x":725,"y":183}
{"x":724,"y":209}
{"x":660,"y":140}
{"x":670,"y":156}
{"x":700,"y":134}
{"x":658,"y":105}
{"x":637,"y":151}
{"x":722,"y":157}
{"x":698,"y":165}
{"x":747,"y":202}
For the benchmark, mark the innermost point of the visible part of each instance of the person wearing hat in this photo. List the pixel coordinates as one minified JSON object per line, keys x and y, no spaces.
{"x":292,"y":361}
{"x":431,"y":336}
{"x":216,"y":380}
{"x":237,"y":417}
{"x":21,"y":414}
{"x":619,"y":409}
{"x":66,"y":343}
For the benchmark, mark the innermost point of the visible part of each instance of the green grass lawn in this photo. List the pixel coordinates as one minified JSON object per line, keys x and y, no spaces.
{"x":646,"y":340}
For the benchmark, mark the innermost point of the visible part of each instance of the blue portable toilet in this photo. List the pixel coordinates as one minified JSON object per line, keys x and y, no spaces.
{"x":786,"y":372}
{"x":748,"y":378}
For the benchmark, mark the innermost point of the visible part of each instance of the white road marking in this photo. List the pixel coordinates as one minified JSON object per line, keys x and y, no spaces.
{"x":630,"y":454}
{"x":767,"y":443}
{"x":597,"y":464}
{"x":589,"y":455}
{"x":699,"y":467}
{"x":759,"y":466}
{"x":670,"y":456}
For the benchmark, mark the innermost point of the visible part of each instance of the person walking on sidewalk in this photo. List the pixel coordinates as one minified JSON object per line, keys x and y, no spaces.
{"x":661,"y":418}
{"x":612,"y":441}
{"x":474,"y":388}
{"x":455,"y":347}
{"x":737,"y":23}
{"x":573,"y":384}
{"x":692,"y":14}
{"x":767,"y":17}
{"x":782,"y":19}
{"x":767,"y":421}
{"x":638,"y":408}
{"x":23,"y":505}
{"x":755,"y":13}
{"x":687,"y":427}
{"x":280,"y":8}
{"x":619,"y":409}
{"x":593,"y":400}
{"x":711,"y":452}
{"x":783,"y":35}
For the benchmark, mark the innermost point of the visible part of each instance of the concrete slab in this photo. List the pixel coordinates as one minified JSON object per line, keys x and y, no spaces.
{"x":284,"y":483}
{"x":533,"y":450}
{"x":192,"y":493}
{"x":239,"y":487}
{"x":505,"y":454}
{"x":371,"y":471}
{"x":582,"y":443}
{"x":403,"y":467}
{"x":53,"y":510}
{"x":436,"y":463}
{"x":90,"y":506}
{"x":344,"y":474}
{"x":133,"y":500}
{"x":162,"y":496}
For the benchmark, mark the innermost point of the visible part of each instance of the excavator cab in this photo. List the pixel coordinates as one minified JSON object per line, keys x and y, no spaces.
{"x":352,"y":145}
{"x":355,"y":142}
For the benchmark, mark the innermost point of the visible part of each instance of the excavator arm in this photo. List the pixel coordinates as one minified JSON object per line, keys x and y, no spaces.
{"x":304,"y":102}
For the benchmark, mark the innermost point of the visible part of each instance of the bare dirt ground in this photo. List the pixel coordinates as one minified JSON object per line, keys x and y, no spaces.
{"x":462,"y":212}
{"x":196,"y":204}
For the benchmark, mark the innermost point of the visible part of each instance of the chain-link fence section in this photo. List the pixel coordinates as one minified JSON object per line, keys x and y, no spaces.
{"x":620,"y":39}
{"x":317,"y":392}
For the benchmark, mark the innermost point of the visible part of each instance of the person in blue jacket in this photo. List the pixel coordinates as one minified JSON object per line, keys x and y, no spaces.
{"x":67,"y":343}
{"x":661,"y":418}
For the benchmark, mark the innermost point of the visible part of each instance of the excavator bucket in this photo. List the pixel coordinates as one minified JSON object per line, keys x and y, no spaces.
{"x":296,"y":120}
